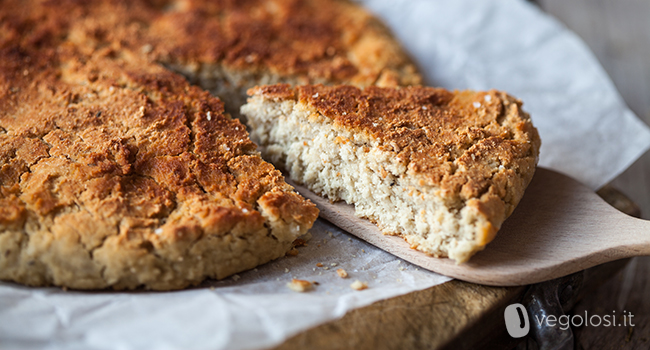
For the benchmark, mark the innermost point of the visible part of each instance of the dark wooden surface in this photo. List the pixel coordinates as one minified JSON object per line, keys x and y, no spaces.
{"x":618,"y":32}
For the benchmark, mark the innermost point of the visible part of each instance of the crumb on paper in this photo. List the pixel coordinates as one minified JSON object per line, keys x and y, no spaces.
{"x":315,"y":283}
{"x":358,"y":285}
{"x":299,"y":242}
{"x":342,"y":273}
{"x":401,"y":268}
{"x":292,"y":252}
{"x":333,"y":264}
{"x":314,"y":269}
{"x":326,"y":268}
{"x":286,"y":270}
{"x":235,"y":277}
{"x":299,"y":285}
{"x":330,"y":234}
{"x":363,"y":250}
{"x":349,"y":239}
{"x":319,"y":265}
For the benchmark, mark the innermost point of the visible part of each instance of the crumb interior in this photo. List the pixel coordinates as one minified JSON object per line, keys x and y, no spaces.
{"x":343,"y":165}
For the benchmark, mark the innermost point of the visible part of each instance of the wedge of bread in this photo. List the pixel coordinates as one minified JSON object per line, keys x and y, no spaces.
{"x":441,"y":169}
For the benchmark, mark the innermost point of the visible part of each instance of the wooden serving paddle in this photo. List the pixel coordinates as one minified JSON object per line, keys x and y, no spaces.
{"x":559,"y":227}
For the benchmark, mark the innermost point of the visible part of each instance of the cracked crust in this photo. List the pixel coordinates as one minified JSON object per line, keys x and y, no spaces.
{"x":229,"y":46}
{"x":441,"y":169}
{"x":115,"y":172}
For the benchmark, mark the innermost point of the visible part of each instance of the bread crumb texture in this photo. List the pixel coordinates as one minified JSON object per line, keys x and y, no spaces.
{"x":300,"y":286}
{"x":358,"y":285}
{"x":441,"y":169}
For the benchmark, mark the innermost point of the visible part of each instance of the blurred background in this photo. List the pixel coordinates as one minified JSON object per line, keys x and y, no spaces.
{"x":618,"y":33}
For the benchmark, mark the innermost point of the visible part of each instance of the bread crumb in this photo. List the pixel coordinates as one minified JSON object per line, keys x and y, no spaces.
{"x":342,"y":273}
{"x":333,"y":264}
{"x":358,"y":285}
{"x":292,"y":252}
{"x":299,"y":285}
{"x":319,"y":265}
{"x":299,"y":242}
{"x":235,"y":277}
{"x":330,"y":234}
{"x":326,"y":268}
{"x":286,"y":270}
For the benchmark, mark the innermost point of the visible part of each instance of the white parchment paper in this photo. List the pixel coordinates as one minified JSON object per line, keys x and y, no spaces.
{"x":587,"y":132}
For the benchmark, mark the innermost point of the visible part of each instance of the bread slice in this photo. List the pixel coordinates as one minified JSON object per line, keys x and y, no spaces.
{"x":441,"y":169}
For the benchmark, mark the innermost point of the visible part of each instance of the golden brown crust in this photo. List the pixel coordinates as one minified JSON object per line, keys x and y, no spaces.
{"x":477,"y":148}
{"x":117,"y":173}
{"x":308,"y":41}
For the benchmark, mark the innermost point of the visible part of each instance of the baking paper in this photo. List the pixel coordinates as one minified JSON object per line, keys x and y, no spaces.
{"x":587,"y":132}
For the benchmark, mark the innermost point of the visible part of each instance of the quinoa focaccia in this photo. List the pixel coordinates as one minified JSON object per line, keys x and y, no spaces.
{"x":118,"y":173}
{"x":441,"y":169}
{"x":115,"y":172}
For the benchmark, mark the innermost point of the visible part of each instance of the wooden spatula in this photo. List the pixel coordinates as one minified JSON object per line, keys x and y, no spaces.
{"x":559,"y":227}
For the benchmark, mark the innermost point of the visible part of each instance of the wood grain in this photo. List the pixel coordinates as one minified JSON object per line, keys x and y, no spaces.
{"x":559,"y":227}
{"x":427,"y":319}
